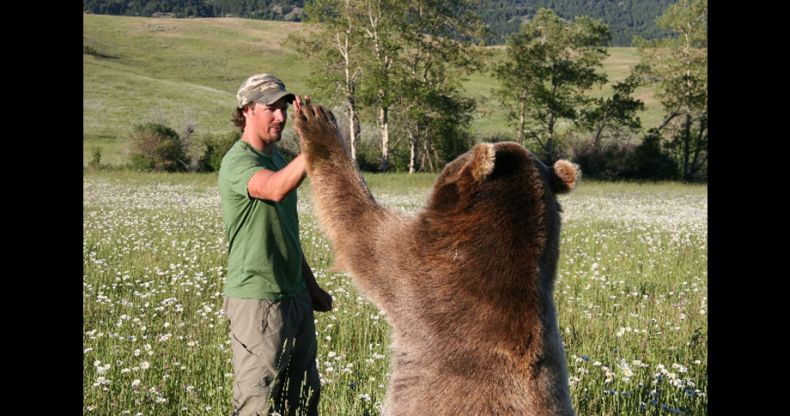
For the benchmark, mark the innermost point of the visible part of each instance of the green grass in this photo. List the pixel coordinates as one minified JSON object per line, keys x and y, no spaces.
{"x":186,"y":71}
{"x":631,"y":295}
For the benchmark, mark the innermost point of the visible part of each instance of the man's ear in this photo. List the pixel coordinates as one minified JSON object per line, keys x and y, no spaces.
{"x":564,"y":176}
{"x":482,"y":162}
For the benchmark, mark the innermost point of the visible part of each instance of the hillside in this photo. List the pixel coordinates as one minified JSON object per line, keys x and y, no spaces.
{"x":186,"y":71}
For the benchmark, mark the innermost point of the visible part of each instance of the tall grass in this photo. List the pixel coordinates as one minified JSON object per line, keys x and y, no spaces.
{"x":631,"y":294}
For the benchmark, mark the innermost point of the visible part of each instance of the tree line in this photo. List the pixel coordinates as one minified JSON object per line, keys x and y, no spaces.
{"x":252,"y":9}
{"x":625,"y":18}
{"x":396,"y":66}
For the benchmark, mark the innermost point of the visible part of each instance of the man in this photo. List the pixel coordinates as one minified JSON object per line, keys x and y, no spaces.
{"x":270,"y":291}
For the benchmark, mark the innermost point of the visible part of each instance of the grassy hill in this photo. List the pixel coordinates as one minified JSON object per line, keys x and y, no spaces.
{"x":186,"y":72}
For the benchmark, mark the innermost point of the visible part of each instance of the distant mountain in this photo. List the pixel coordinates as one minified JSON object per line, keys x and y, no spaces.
{"x":625,"y":18}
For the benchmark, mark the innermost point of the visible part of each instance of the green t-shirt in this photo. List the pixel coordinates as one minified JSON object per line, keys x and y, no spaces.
{"x":264,"y":252}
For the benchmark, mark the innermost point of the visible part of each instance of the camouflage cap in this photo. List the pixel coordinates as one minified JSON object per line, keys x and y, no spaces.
{"x":262,"y":88}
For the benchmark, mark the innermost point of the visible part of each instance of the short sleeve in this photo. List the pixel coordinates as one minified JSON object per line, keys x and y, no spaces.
{"x":239,"y":169}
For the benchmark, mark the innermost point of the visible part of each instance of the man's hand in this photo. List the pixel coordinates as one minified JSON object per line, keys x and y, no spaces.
{"x":298,"y":104}
{"x":322,"y":301}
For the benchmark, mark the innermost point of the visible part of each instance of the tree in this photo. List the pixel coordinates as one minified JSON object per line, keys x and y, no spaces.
{"x":381,"y":40}
{"x":336,"y":47}
{"x":385,"y":53}
{"x":354,"y":52}
{"x":438,"y":38}
{"x":549,"y":65}
{"x":155,"y":146}
{"x":678,"y":66}
{"x":649,"y":161}
{"x":613,"y":114}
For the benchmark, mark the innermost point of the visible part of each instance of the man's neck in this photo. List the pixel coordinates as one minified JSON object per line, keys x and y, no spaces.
{"x":258,"y":144}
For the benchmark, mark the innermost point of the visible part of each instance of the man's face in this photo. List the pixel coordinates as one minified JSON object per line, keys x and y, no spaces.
{"x":268,"y":121}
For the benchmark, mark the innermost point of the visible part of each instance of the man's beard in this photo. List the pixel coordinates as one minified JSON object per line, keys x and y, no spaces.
{"x":276,"y":135}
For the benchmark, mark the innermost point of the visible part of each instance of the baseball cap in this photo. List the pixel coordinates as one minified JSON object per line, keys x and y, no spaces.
{"x":262,"y":88}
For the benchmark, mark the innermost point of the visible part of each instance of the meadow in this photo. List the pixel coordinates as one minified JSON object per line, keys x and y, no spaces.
{"x":631,"y":293}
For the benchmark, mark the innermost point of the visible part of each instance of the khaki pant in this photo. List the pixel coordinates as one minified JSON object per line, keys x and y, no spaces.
{"x":274,"y":350}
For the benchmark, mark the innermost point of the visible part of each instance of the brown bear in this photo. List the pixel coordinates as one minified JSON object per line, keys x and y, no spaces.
{"x":466,"y":283}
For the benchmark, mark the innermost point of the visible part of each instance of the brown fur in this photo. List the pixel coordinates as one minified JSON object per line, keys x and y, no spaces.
{"x":466,"y":283}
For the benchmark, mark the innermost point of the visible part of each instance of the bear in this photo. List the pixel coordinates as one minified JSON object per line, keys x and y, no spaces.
{"x":466,"y":283}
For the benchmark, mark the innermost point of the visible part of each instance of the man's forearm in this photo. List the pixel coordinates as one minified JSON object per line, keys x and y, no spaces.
{"x":293,"y":174}
{"x":274,"y":186}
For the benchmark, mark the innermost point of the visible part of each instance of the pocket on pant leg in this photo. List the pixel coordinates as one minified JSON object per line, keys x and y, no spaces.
{"x":249,"y":344}
{"x":268,"y":312}
{"x":248,"y":321}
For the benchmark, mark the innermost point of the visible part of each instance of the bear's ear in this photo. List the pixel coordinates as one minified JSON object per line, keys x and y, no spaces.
{"x":482,"y":162}
{"x":565,"y":176}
